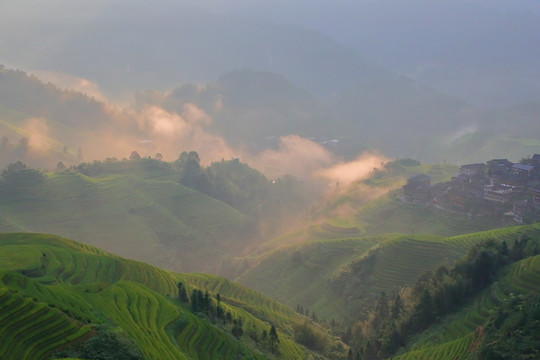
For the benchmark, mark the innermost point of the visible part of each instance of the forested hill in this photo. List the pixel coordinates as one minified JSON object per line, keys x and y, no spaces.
{"x":41,"y":124}
{"x":64,"y":299}
{"x":176,"y":215}
{"x":27,"y":94}
{"x":425,"y":297}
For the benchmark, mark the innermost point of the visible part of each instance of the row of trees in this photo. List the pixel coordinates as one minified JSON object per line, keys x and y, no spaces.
{"x":414,"y":309}
{"x":511,"y":334}
{"x":19,"y":173}
{"x":204,"y":304}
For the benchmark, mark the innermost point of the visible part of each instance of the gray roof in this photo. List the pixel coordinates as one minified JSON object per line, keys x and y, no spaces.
{"x":474,"y":166}
{"x":523,"y":167}
{"x":420,"y":177}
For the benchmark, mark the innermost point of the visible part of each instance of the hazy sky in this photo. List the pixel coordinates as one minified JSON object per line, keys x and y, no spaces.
{"x":481,"y":52}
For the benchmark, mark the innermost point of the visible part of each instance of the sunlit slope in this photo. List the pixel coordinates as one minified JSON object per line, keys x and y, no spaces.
{"x":455,"y":337}
{"x":53,"y":291}
{"x":388,"y":214}
{"x":372,"y":207}
{"x":340,"y":277}
{"x":29,"y":328}
{"x":143,"y":215}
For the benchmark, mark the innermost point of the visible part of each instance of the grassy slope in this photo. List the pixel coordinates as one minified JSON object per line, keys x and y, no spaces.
{"x":139,"y":213}
{"x":370,"y":207}
{"x":337,"y":277}
{"x":455,"y":337}
{"x":315,"y":271}
{"x":54,"y":287}
{"x":386,"y":214}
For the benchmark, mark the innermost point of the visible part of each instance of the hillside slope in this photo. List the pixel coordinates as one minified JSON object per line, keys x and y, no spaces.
{"x":58,"y":296}
{"x":461,"y":335}
{"x":138,"y":210}
{"x":343,"y":277}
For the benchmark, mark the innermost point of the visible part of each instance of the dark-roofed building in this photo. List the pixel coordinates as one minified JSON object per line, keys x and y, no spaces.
{"x":521,"y":208}
{"x":535,"y":192}
{"x":523,"y":171}
{"x":535,"y":160}
{"x":509,"y":180}
{"x":499,"y":166}
{"x":460,"y":181}
{"x":417,"y":189}
{"x":457,"y":197}
{"x":473,"y":169}
{"x":419,"y":180}
{"x":497,"y":194}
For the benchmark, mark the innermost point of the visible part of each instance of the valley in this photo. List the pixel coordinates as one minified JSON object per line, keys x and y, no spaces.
{"x":255,"y":180}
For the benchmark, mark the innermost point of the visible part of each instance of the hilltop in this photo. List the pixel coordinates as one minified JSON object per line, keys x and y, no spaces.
{"x":177,"y":215}
{"x":62,"y":298}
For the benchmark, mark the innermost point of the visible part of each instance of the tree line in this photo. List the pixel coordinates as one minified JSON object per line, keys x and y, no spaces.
{"x":203,"y":304}
{"x":396,"y":318}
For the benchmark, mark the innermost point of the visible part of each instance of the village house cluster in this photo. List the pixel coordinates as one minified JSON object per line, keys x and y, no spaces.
{"x":493,"y":188}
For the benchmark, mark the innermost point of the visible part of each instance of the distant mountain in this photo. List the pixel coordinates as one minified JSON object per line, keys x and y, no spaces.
{"x":477,"y":50}
{"x":247,"y":106}
{"x":28,"y":95}
{"x":500,"y":133}
{"x":394,"y":115}
{"x":401,"y":117}
{"x":520,"y":120}
{"x":125,"y":46}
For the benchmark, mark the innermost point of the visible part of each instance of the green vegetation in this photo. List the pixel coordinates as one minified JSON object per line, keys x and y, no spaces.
{"x":143,"y":218}
{"x":476,"y":330}
{"x":511,"y":334}
{"x":65,"y":299}
{"x":140,"y":208}
{"x":343,"y":278}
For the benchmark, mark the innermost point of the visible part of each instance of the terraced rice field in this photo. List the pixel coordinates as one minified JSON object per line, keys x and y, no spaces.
{"x":454,"y":350}
{"x":403,"y":260}
{"x":50,"y":288}
{"x":30,"y":329}
{"x":302,"y":274}
{"x":455,"y":336}
{"x":151,"y":219}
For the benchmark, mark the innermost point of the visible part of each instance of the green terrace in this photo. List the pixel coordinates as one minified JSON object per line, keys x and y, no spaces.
{"x":54,"y":292}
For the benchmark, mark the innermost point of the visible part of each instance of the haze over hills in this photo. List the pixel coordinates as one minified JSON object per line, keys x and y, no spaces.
{"x":323,"y":85}
{"x":153,"y":47}
{"x":269,"y":144}
{"x":477,"y":50}
{"x":243,"y":113}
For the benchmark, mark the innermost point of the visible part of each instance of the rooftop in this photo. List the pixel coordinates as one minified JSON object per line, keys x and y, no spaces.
{"x":523,"y":167}
{"x":420,"y":177}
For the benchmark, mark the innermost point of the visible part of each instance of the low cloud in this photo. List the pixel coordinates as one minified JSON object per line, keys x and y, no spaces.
{"x":348,"y":172}
{"x":37,"y":133}
{"x":465,"y":130}
{"x":295,"y":156}
{"x":171,"y":133}
{"x":151,"y":129}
